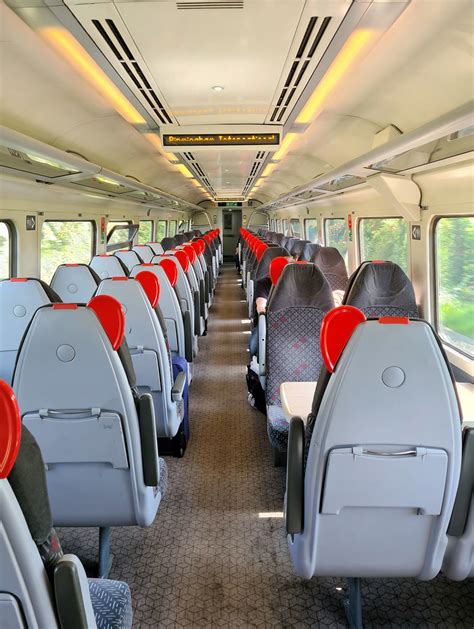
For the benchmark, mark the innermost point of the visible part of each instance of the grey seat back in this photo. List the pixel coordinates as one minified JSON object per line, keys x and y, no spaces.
{"x":332,"y":265}
{"x":148,"y":348}
{"x":309,"y":251}
{"x":295,"y":311}
{"x":169,"y":306}
{"x":145,"y":252}
{"x":76,"y":399}
{"x":108,"y":266}
{"x":75,"y":283}
{"x":384,"y":458}
{"x":381,"y":289}
{"x":156,"y":247}
{"x":129,"y":258}
{"x":19,"y":300}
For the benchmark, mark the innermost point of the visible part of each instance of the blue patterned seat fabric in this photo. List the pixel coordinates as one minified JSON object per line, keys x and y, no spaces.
{"x":163,"y":485}
{"x":277,"y":428}
{"x":112,"y":604}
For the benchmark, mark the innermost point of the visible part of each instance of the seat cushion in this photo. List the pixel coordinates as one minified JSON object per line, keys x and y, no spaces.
{"x":112,"y":603}
{"x":277,"y":428}
{"x":163,"y":485}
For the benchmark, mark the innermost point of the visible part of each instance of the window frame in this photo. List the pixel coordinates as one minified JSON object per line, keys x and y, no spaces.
{"x":173,"y":220}
{"x":433,"y":279}
{"x":284,"y":225}
{"x":382,"y":218}
{"x":295,"y":220}
{"x":12,"y":247}
{"x":124,"y":244}
{"x":91,"y":221}
{"x":306,"y":220}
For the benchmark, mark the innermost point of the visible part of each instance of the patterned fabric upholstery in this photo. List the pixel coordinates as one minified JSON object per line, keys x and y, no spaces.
{"x":293,"y":355}
{"x":277,"y":428}
{"x":374,"y":312}
{"x":112,"y":603}
{"x":293,"y":352}
{"x":163,"y":486}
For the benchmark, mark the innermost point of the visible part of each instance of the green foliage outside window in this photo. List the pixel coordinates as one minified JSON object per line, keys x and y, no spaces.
{"x":336,"y":235}
{"x":384,"y":239}
{"x":5,"y":251}
{"x":65,"y":242}
{"x":454,"y":250}
{"x":145,"y":232}
{"x":161,"y":230}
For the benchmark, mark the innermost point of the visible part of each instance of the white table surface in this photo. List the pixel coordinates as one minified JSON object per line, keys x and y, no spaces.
{"x":297,"y":399}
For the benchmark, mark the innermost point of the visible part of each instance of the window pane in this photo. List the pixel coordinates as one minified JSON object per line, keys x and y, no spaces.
{"x":335,"y":231}
{"x":454,"y":242}
{"x":311,"y":229}
{"x":5,"y":251}
{"x":285,"y":226}
{"x":172,"y":228}
{"x":145,"y":232}
{"x":296,"y":227}
{"x":121,"y":235}
{"x":65,"y":242}
{"x":384,"y":239}
{"x":161,"y":231}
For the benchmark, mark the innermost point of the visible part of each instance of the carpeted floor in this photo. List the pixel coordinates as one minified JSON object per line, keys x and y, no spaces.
{"x":216,"y":555}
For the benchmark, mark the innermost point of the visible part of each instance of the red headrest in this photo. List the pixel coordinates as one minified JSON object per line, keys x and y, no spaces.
{"x":262,"y":247}
{"x":182,"y":258}
{"x":191,"y":252}
{"x":171,"y":270}
{"x":276,"y":267}
{"x":110,"y":313}
{"x":150,"y":284}
{"x":336,"y":329}
{"x":10,"y":429}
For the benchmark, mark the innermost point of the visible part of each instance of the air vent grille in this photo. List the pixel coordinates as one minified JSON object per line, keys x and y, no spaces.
{"x":309,"y":43}
{"x":211,"y":4}
{"x":253,"y":173}
{"x":198,"y":172}
{"x":117,"y":44}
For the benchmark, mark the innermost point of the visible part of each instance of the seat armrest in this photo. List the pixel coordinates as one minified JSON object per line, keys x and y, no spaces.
{"x":71,"y":590}
{"x":188,"y":325}
{"x":465,"y":490}
{"x":295,"y":477}
{"x":262,"y":344}
{"x":148,"y":440}
{"x":178,"y":387}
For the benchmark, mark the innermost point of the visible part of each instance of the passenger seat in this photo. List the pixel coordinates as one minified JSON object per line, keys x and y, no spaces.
{"x":75,"y":283}
{"x":39,"y":585}
{"x":20,"y":298}
{"x":130,"y":258}
{"x":106,"y":266}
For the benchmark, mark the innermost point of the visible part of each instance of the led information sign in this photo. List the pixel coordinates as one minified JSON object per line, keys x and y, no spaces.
{"x":221,"y":139}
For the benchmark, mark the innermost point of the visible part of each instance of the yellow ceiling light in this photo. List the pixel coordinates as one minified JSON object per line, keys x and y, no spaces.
{"x":155,"y":140}
{"x":70,"y":48}
{"x":341,"y":64}
{"x":184,"y":171}
{"x":285,"y":146}
{"x":269,"y":168}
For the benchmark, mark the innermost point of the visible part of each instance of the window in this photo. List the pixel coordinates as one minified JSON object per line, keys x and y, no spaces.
{"x":161,"y":230}
{"x":285,"y":226}
{"x":120,"y":235}
{"x":311,"y":229}
{"x":65,"y":242}
{"x":172,"y":228}
{"x":335,"y":234}
{"x":384,"y":239}
{"x":145,"y":232}
{"x":295,"y":227}
{"x":183,"y":226}
{"x":278,"y":225}
{"x":5,"y":250}
{"x":454,"y":264}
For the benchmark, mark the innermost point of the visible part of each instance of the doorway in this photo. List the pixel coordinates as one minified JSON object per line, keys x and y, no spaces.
{"x":231,"y":224}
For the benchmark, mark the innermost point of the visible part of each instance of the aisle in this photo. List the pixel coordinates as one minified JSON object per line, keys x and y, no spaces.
{"x":216,"y":555}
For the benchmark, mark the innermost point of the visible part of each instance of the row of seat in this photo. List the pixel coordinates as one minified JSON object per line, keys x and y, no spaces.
{"x":101,"y":384}
{"x":380,"y":476}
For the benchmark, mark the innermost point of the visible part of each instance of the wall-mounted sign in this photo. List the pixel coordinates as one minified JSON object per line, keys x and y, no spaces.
{"x":102,"y":229}
{"x":229,"y":204}
{"x":221,"y":139}
{"x":416,"y":232}
{"x":214,"y":219}
{"x":30,"y":223}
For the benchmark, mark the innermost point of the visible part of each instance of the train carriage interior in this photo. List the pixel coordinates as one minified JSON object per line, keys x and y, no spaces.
{"x":236,"y":313}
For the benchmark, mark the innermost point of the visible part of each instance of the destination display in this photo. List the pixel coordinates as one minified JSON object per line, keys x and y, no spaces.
{"x":221,"y":139}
